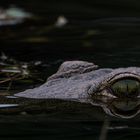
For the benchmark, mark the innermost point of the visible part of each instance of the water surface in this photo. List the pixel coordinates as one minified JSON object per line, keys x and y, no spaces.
{"x":96,"y":32}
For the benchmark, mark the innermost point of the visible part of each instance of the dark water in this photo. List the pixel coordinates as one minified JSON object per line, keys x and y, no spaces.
{"x":106,"y":33}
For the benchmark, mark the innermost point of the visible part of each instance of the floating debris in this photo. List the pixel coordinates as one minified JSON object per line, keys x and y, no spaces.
{"x":12,"y":16}
{"x":36,"y":63}
{"x":8,"y":105}
{"x":17,"y":13}
{"x":61,"y":21}
{"x":13,"y":71}
{"x":118,"y":127}
{"x":3,"y":56}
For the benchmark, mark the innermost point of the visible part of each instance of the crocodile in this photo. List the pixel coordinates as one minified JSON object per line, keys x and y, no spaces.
{"x":117,"y":90}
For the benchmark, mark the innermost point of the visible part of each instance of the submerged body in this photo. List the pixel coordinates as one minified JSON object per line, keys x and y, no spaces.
{"x":80,"y":84}
{"x":79,"y":80}
{"x":116,"y":90}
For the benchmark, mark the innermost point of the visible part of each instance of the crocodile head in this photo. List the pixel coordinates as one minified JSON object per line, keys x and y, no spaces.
{"x":115,"y":90}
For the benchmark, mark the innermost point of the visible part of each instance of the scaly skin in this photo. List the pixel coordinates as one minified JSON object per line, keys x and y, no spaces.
{"x":78,"y":81}
{"x":82,"y":82}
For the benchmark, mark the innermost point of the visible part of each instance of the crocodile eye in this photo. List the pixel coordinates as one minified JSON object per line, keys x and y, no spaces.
{"x":126,"y":88}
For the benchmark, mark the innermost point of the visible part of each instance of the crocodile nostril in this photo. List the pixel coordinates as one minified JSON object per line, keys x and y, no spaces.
{"x":126,"y":88}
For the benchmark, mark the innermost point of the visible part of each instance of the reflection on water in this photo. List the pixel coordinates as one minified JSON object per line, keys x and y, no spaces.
{"x":57,"y":119}
{"x":123,"y":108}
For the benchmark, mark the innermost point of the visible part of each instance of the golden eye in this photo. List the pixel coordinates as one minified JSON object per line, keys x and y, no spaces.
{"x":126,"y":88}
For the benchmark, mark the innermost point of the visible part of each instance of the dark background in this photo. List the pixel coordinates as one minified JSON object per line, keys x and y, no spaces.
{"x":73,"y":41}
{"x":104,"y":32}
